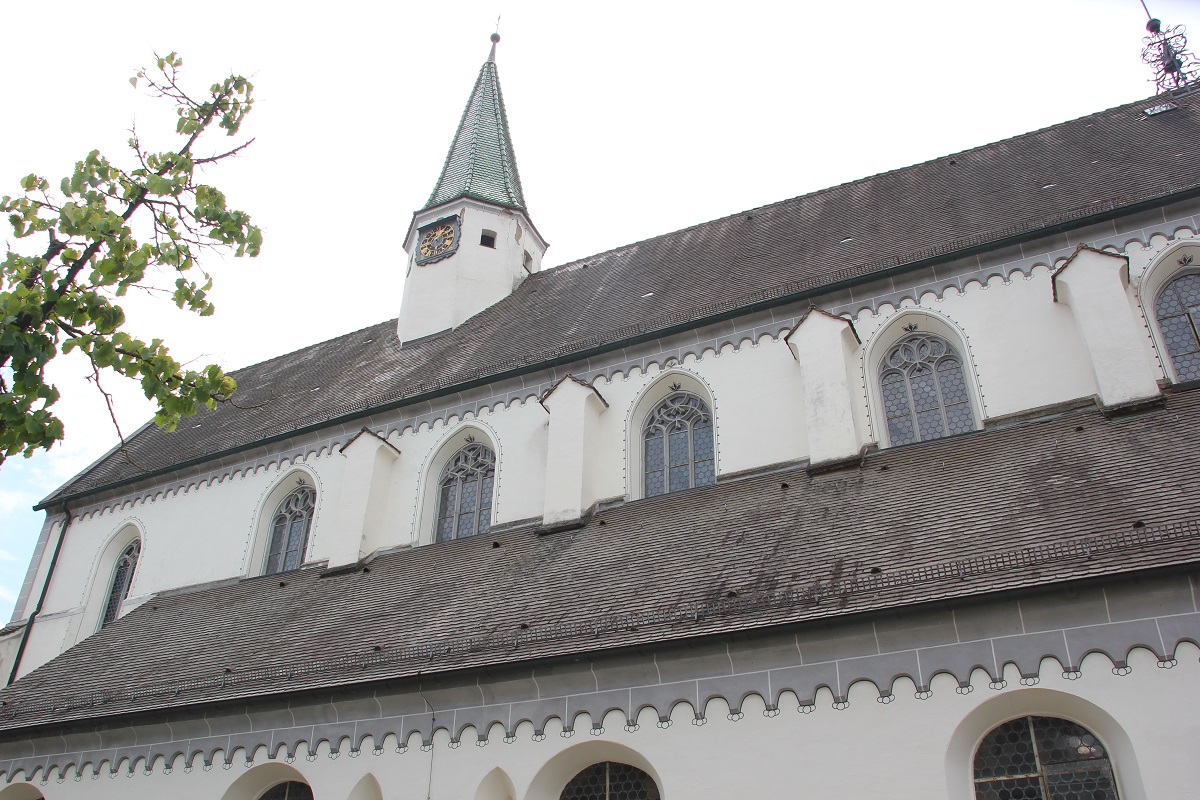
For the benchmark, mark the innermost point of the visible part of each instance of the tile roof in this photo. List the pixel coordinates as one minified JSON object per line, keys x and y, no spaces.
{"x":481,"y":163}
{"x":1047,"y":500}
{"x":1040,"y":182}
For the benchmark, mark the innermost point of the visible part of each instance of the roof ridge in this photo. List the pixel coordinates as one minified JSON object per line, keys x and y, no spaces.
{"x":845,"y":184}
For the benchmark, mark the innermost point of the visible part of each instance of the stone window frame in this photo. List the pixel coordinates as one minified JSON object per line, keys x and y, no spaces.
{"x":427,"y":508}
{"x":689,"y":410}
{"x":657,"y":389}
{"x":300,"y":504}
{"x":1179,"y":258}
{"x":907,"y":322}
{"x":121,"y":581}
{"x":1153,"y":313}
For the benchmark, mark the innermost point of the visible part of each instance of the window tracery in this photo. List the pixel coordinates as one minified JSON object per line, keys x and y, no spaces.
{"x":677,"y":443}
{"x":122,"y":580}
{"x":289,"y":530}
{"x":611,"y":780}
{"x":1042,"y":758}
{"x":924,"y":390}
{"x":465,"y":493}
{"x":1178,"y":313}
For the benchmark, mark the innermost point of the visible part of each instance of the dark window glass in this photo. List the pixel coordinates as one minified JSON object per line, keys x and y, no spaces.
{"x":292,"y":790}
{"x":289,"y":530}
{"x":1178,"y":311}
{"x":122,"y":580}
{"x":1042,"y":758}
{"x":678,"y":446}
{"x":924,"y":390}
{"x":610,"y":780}
{"x":487,"y":239}
{"x":465,"y":493}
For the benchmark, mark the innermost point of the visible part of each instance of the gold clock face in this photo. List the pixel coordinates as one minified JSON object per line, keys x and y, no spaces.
{"x":437,"y":240}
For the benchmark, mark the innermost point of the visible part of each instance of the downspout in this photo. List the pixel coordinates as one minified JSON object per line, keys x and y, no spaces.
{"x":62,"y":534}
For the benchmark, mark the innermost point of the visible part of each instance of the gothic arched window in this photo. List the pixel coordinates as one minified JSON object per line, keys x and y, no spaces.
{"x":924,"y":390}
{"x":678,"y":445}
{"x":1178,"y":312}
{"x":289,"y":530}
{"x":122,"y":580}
{"x":292,"y":790}
{"x":465,"y":493}
{"x":1042,"y":758}
{"x":611,"y":780}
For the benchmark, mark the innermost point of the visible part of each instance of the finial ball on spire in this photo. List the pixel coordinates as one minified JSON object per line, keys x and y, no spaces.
{"x":495,"y":38}
{"x":1154,"y":25}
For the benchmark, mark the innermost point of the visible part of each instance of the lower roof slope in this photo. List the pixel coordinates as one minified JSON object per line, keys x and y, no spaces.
{"x":980,"y":513}
{"x":1064,"y":175}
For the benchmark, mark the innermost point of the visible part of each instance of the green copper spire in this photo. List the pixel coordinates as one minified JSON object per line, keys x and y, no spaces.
{"x":481,"y":163}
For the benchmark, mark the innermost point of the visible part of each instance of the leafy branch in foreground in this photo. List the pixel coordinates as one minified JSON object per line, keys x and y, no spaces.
{"x":62,"y":298}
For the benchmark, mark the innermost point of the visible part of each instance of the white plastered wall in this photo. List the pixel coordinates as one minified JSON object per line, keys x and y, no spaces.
{"x":906,"y":749}
{"x":1025,"y":352}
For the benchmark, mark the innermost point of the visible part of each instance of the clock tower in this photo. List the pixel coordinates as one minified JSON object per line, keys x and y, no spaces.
{"x":473,"y":242}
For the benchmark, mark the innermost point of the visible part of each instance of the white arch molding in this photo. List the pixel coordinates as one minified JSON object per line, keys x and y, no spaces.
{"x":1165,"y":267}
{"x":656,"y":390}
{"x":94,"y":597}
{"x":891,"y":332}
{"x":1039,"y":702}
{"x":550,"y":780}
{"x":255,"y":782}
{"x":455,"y":439}
{"x":289,"y":479}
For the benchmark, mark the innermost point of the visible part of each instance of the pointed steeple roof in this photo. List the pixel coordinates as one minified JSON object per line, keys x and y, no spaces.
{"x":481,"y":163}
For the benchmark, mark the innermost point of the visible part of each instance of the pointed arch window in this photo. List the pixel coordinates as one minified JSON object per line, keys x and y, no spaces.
{"x":1178,"y":312}
{"x":1043,"y":758}
{"x":611,"y":780}
{"x":465,"y":493}
{"x":924,"y":390}
{"x":289,"y":530}
{"x":122,"y":580}
{"x":678,"y":448}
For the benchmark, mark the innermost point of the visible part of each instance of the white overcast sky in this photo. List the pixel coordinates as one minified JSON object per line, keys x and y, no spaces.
{"x":629,"y":119}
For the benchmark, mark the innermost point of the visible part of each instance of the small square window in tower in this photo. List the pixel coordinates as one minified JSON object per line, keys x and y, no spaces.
{"x":488,"y":238}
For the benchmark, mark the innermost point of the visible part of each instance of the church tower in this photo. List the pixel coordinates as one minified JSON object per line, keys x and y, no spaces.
{"x":473,"y":243}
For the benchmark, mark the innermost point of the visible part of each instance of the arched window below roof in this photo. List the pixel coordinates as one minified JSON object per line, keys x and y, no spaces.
{"x":465,"y":493}
{"x":924,"y":390}
{"x":611,"y":780}
{"x":292,"y":790}
{"x":678,"y":450}
{"x":289,"y":530}
{"x":122,"y":580}
{"x":1177,"y":310}
{"x":1042,"y":758}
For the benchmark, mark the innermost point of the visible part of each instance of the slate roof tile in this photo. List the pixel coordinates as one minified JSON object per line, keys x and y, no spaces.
{"x":1115,"y":159}
{"x":977,"y":514}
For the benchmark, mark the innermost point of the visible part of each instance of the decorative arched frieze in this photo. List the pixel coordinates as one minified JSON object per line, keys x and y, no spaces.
{"x":906,"y":323}
{"x":657,"y":389}
{"x":1039,"y":702}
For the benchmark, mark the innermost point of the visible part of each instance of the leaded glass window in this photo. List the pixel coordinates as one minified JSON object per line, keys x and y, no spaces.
{"x":292,"y":790}
{"x":678,"y":445}
{"x":465,"y":493}
{"x":1178,"y":311}
{"x":924,"y":390}
{"x":611,"y":780}
{"x":289,"y":530}
{"x":122,"y":580}
{"x":1042,"y":758}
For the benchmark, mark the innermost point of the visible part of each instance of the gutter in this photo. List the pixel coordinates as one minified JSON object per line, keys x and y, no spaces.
{"x":1112,"y":212}
{"x":62,"y":534}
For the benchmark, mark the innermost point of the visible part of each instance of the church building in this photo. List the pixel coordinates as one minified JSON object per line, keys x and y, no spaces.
{"x":886,"y":490}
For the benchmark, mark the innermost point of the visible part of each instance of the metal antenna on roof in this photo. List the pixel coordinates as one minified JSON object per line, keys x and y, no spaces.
{"x":1176,"y":70}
